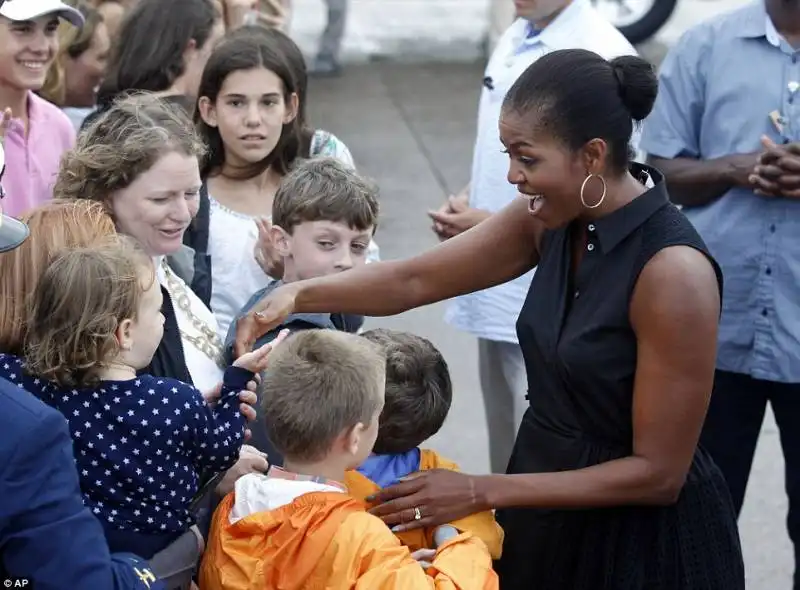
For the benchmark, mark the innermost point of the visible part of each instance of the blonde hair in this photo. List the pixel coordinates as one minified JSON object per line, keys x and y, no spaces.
{"x":82,"y":298}
{"x":123,"y":143}
{"x":55,"y":226}
{"x":319,"y":383}
{"x":72,"y":42}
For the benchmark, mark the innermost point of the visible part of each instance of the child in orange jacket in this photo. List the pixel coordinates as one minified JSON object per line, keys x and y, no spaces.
{"x":417,"y":401}
{"x":297,"y":528}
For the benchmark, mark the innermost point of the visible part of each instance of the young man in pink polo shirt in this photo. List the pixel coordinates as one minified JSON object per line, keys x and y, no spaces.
{"x":39,"y":132}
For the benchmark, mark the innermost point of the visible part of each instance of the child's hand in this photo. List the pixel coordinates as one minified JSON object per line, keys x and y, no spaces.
{"x":264,"y":252}
{"x":257,"y":360}
{"x":424,"y":557}
{"x":443,"y":534}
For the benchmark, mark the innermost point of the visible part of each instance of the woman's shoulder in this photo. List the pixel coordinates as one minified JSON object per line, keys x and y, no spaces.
{"x":669,"y":240}
{"x":325,"y":144}
{"x":670,"y":227}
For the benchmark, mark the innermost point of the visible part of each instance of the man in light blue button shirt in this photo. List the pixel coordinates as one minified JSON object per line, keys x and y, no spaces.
{"x":728,"y":89}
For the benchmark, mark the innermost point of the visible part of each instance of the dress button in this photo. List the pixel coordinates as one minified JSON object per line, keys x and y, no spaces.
{"x":764,"y":312}
{"x":772,"y":228}
{"x":591,"y":227}
{"x":590,"y":247}
{"x":768,"y":271}
{"x":577,"y":294}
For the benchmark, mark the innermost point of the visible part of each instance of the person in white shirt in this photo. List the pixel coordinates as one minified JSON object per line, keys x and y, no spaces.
{"x":541,"y":26}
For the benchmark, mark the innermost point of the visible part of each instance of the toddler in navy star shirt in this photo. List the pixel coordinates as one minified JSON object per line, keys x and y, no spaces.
{"x":140,"y":442}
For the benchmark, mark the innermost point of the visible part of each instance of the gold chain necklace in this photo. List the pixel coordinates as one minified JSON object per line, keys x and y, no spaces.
{"x":208,"y":342}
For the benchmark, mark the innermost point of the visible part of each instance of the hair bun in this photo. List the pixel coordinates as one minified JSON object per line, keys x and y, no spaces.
{"x":638,"y":84}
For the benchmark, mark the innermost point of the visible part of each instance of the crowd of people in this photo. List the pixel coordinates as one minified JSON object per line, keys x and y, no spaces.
{"x":188,"y":394}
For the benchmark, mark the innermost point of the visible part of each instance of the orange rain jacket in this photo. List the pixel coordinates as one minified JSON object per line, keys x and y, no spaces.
{"x":327,"y":541}
{"x":482,"y":525}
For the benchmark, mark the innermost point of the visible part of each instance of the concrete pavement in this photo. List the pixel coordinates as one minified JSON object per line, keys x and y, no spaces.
{"x":411,"y":128}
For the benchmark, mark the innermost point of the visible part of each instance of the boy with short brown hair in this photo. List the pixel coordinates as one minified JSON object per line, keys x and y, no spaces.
{"x":417,"y":401}
{"x":323,"y":218}
{"x":298,"y":527}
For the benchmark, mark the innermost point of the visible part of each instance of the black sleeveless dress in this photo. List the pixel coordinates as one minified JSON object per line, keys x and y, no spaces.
{"x":580,"y":356}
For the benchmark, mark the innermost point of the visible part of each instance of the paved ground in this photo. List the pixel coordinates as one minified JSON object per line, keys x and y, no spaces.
{"x":411,"y":128}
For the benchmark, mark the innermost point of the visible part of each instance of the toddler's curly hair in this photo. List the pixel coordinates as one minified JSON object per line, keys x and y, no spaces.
{"x":79,"y":303}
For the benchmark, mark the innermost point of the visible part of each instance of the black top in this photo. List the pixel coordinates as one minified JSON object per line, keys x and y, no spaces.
{"x":580,"y":349}
{"x":169,"y":360}
{"x":580,"y":356}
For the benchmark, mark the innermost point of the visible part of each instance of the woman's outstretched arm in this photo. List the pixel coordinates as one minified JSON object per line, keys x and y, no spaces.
{"x":497,"y":250}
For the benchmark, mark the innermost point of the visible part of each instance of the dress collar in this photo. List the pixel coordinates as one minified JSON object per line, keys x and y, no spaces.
{"x":618,"y":225}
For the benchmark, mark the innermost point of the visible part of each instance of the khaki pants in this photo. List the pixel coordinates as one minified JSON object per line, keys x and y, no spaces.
{"x":504,"y":384}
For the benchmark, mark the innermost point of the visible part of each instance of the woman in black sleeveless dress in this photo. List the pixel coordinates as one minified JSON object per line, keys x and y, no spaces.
{"x":606,"y":487}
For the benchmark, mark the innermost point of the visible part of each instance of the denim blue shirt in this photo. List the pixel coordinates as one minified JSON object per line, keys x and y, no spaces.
{"x":718,"y":86}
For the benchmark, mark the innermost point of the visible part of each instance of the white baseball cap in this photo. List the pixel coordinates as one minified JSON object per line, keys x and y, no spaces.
{"x":22,"y":10}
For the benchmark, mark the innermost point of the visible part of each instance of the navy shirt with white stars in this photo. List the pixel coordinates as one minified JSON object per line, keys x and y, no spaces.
{"x":140,"y":445}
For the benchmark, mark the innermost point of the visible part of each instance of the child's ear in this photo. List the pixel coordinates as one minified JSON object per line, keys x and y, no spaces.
{"x":123,"y":335}
{"x":353,"y":438}
{"x":291,"y":109}
{"x":207,"y":111}
{"x":281,"y":241}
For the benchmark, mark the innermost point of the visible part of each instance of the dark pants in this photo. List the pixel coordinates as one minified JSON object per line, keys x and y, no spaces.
{"x":731,"y":432}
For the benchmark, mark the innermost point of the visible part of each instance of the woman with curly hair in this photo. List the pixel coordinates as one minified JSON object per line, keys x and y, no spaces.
{"x":140,"y":159}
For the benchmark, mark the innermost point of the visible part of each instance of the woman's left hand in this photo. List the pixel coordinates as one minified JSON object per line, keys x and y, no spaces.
{"x":441,"y":496}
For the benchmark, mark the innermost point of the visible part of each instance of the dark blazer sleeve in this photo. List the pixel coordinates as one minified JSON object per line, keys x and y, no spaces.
{"x":46,"y":533}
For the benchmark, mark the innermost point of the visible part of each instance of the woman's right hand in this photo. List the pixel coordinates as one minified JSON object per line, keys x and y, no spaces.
{"x":271,"y":311}
{"x":437,"y":497}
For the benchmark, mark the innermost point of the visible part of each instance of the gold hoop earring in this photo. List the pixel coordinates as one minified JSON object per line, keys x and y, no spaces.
{"x":583,"y":190}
